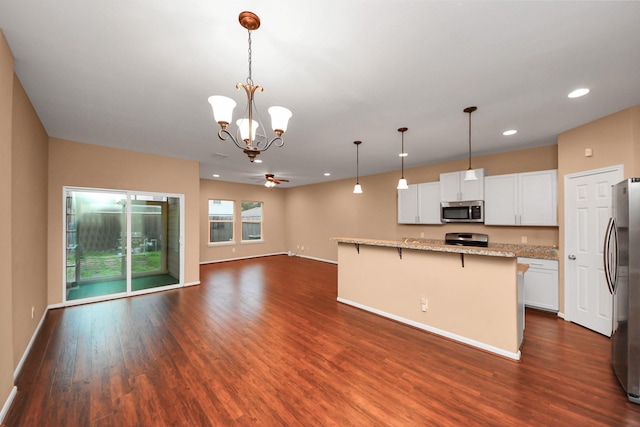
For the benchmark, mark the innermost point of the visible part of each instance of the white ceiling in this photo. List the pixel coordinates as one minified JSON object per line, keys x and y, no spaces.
{"x":136,"y":75}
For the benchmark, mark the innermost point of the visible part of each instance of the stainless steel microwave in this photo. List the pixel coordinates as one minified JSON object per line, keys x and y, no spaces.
{"x":469,"y":211}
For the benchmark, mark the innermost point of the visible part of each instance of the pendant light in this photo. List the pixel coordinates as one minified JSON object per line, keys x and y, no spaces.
{"x":357,"y":189}
{"x":470,"y":174}
{"x":402,"y":183}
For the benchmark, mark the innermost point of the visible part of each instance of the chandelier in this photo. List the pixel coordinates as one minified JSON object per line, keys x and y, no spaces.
{"x":250,"y":136}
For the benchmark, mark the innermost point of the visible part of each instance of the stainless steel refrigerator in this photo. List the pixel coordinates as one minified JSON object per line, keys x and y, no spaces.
{"x":622,"y":273}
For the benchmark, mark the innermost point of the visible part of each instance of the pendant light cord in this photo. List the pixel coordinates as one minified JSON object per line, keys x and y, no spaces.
{"x":402,"y":154}
{"x":470,"y":140}
{"x":470,"y":110}
{"x":357,"y":163}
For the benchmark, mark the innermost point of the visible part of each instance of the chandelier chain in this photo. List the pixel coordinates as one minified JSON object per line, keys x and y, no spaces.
{"x":249,"y":79}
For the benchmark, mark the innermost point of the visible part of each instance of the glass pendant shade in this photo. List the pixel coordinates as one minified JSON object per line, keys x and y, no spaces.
{"x":357,"y":189}
{"x":470,"y":175}
{"x":269,"y":184}
{"x":243,"y":125}
{"x":279,"y":118}
{"x":402,"y":184}
{"x":222,"y":108}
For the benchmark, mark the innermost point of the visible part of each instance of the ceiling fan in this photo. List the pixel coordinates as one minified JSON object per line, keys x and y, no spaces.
{"x":272,"y":181}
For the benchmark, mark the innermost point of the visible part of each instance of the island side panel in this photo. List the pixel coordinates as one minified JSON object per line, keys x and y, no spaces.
{"x":477,"y":301}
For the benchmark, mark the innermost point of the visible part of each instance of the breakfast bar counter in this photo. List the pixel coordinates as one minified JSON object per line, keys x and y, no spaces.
{"x":469,"y":294}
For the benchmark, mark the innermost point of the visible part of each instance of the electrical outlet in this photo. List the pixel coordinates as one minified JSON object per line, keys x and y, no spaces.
{"x":233,"y":249}
{"x":424,"y":304}
{"x":422,"y":234}
{"x":33,"y":312}
{"x":524,"y":239}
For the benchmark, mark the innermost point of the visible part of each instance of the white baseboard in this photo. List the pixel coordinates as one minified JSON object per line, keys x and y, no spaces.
{"x":31,"y":341}
{"x":316,"y":259}
{"x":197,"y":282}
{"x":437,"y":331}
{"x":265,"y":255}
{"x":7,"y":404}
{"x":239,"y":258}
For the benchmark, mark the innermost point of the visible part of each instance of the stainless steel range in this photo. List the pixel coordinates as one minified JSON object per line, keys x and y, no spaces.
{"x":467,"y":239}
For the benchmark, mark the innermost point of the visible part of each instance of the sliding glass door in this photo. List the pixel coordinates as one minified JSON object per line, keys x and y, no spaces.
{"x":121,"y":243}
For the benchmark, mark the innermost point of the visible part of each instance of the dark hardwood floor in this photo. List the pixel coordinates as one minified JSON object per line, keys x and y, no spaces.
{"x":263,"y":342}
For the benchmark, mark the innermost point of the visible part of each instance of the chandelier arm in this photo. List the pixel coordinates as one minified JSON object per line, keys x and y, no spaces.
{"x":278,"y":141}
{"x":223,"y":132}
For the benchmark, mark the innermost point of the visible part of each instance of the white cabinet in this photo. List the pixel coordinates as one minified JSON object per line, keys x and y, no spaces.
{"x":419,"y":204}
{"x":522,"y":199}
{"x":520,"y":308}
{"x":408,"y":205}
{"x":454,"y":188}
{"x":541,"y":283}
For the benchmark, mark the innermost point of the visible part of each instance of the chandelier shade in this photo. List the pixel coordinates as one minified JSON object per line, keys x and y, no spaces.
{"x":247,"y":137}
{"x":222,"y":109}
{"x":279,"y":119}
{"x":247,"y":133}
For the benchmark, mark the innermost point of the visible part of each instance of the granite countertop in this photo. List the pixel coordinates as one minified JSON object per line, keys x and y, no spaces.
{"x":494,"y":249}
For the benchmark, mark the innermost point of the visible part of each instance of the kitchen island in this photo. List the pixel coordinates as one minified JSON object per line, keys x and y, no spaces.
{"x":469,"y":294}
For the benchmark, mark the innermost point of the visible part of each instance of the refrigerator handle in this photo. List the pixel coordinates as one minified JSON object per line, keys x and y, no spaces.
{"x":606,"y":255}
{"x":616,"y":261}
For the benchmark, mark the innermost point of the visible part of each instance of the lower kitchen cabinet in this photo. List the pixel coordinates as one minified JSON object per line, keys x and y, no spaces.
{"x":541,"y":283}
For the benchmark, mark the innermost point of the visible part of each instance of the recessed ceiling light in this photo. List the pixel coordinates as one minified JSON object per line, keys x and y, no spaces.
{"x":509,"y":132}
{"x":327,"y":174}
{"x":578,"y":93}
{"x":257,"y":161}
{"x":403,"y":154}
{"x":215,"y":175}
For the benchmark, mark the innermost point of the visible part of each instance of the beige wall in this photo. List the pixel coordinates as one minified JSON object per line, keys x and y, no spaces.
{"x":315,"y":213}
{"x":28,"y":205}
{"x":6,"y":306}
{"x":614,"y":140}
{"x":85,"y":165}
{"x":273,"y":227}
{"x":476,"y":302}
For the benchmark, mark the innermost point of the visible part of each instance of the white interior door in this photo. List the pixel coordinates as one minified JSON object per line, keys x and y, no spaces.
{"x":587,"y":211}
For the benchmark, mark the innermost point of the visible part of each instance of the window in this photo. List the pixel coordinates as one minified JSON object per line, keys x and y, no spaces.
{"x":221,"y":221}
{"x":251,"y":221}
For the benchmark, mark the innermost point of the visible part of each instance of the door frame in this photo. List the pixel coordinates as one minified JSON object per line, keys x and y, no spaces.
{"x":568,"y":310}
{"x":128,"y":292}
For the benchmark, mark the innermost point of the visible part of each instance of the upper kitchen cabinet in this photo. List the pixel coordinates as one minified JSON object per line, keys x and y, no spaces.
{"x":419,"y":204}
{"x":522,"y":199}
{"x":454,"y":188}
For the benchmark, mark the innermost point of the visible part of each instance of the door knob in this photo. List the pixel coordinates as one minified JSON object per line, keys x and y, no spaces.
{"x":572,"y":257}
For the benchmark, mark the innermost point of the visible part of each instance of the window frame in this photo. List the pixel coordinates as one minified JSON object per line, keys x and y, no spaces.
{"x":210,"y":221}
{"x":261,"y":222}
